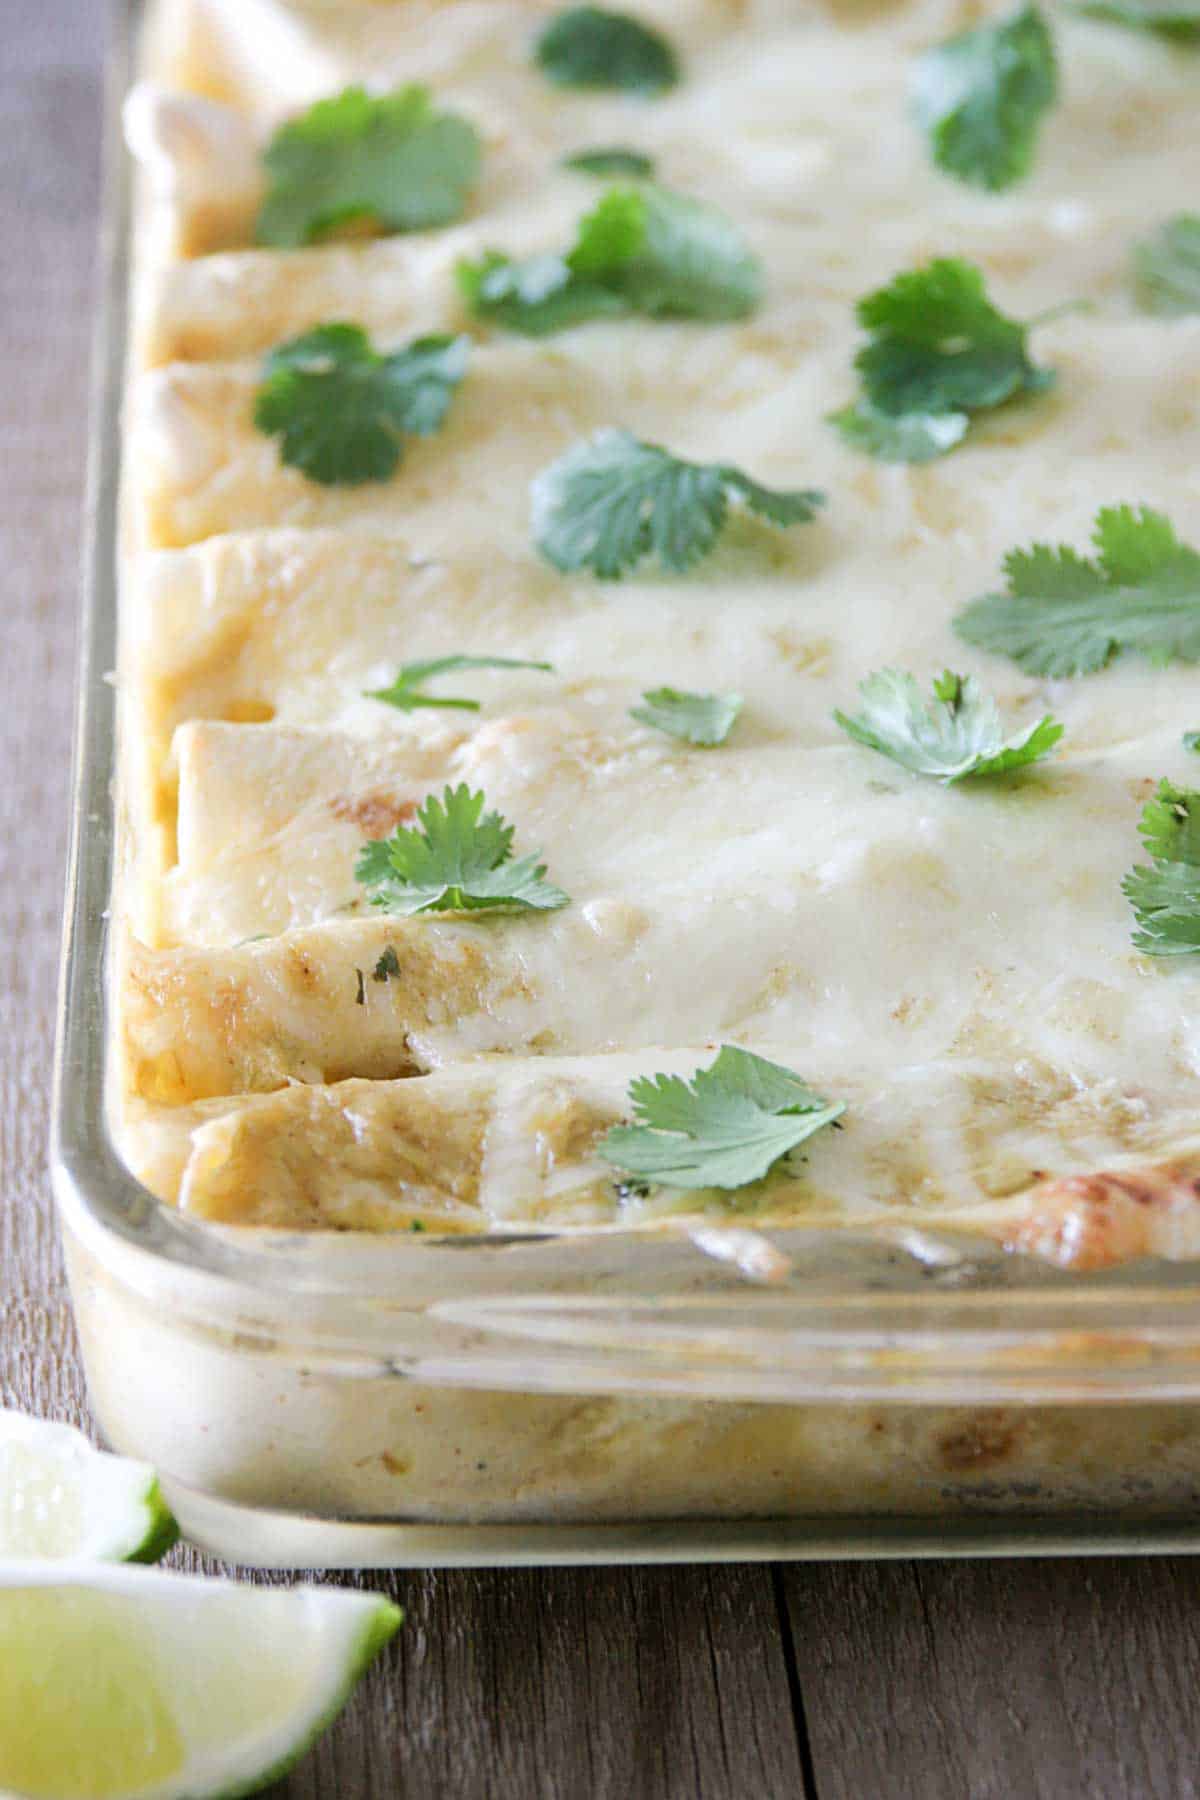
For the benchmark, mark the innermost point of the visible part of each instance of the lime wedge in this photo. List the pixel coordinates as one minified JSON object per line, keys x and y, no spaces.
{"x":60,"y":1498}
{"x":136,"y":1684}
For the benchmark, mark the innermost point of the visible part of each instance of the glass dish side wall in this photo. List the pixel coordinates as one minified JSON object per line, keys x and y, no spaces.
{"x":229,"y":1412}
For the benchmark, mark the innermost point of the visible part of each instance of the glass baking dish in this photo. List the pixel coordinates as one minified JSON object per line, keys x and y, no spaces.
{"x":354,"y":1401}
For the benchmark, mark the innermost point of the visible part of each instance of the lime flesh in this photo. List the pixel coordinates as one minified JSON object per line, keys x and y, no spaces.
{"x":119,"y":1683}
{"x":60,"y":1498}
{"x":117,"y":1733}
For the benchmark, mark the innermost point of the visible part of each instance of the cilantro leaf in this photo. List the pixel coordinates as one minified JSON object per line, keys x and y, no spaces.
{"x":696,"y":718}
{"x":1170,"y":825}
{"x":589,"y":46}
{"x":640,"y":250}
{"x":668,"y":255}
{"x":457,"y":858}
{"x":938,"y":352}
{"x":938,"y":344}
{"x":342,"y":410}
{"x":1166,"y":897}
{"x":914,"y":437}
{"x":1191,"y":741}
{"x":1166,"y":267}
{"x":393,"y":161}
{"x":613,"y":500}
{"x":405,"y":691}
{"x":537,"y":296}
{"x":726,"y":1127}
{"x":980,"y":97}
{"x":955,"y":734}
{"x":1063,"y":615}
{"x":1179,"y":19}
{"x":635,"y":165}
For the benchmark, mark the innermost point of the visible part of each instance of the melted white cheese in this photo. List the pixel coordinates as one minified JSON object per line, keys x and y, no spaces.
{"x":956,"y":963}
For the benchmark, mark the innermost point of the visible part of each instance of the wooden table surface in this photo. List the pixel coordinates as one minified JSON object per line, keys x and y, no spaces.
{"x":1008,"y":1679}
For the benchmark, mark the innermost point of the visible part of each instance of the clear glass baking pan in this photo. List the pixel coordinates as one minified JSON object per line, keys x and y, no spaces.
{"x":483,"y":1400}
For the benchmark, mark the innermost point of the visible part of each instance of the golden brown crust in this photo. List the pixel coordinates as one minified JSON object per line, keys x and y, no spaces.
{"x":251,"y":1168}
{"x":1109,"y":1217}
{"x":304,"y":1007}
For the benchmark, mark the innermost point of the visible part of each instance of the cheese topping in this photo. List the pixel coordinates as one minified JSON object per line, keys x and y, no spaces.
{"x":955,"y":963}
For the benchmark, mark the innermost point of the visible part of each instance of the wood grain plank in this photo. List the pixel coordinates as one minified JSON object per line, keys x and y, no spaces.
{"x":49,"y":185}
{"x":557,"y":1684}
{"x":1043,"y":1680}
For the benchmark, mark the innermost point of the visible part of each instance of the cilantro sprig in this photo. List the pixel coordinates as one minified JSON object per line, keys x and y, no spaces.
{"x":406,"y":694}
{"x":1062,"y":614}
{"x":704,"y":719}
{"x":1165,"y":895}
{"x":954,"y":735}
{"x":980,"y":97}
{"x":457,"y":858}
{"x":726,"y":1127}
{"x":1166,"y":267}
{"x":593,"y":47}
{"x":642,"y":249}
{"x":613,"y":500}
{"x":939,"y":352}
{"x":1178,"y":19}
{"x":342,"y":410}
{"x":393,"y":161}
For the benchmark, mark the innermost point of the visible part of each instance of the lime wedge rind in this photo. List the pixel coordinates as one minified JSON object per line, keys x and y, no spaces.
{"x":60,"y":1498}
{"x":376,"y":1635}
{"x":161,"y":1527}
{"x":166,"y":1686}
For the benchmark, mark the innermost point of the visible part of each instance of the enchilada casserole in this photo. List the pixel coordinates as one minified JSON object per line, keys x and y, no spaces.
{"x":657,"y":689}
